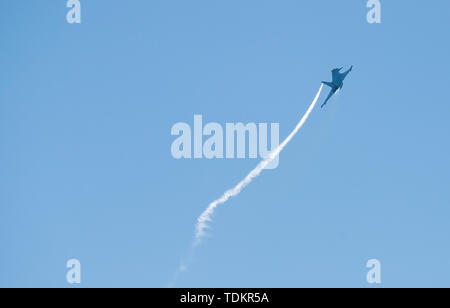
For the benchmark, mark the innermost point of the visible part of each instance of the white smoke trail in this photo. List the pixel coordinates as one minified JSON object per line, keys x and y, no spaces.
{"x":205,"y":217}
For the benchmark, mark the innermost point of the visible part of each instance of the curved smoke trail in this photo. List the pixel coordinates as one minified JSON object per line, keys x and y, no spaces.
{"x":205,"y":217}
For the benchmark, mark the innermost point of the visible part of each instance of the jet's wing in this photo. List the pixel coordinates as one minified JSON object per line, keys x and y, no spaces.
{"x":330,"y":84}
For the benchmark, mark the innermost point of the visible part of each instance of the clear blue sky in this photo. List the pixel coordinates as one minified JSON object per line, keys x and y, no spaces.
{"x":86,"y":170}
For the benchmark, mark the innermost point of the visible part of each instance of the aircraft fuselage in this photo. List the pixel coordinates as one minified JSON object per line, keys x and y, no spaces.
{"x":337,"y":82}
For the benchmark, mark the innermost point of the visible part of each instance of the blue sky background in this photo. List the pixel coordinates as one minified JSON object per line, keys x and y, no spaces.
{"x":85,"y":164}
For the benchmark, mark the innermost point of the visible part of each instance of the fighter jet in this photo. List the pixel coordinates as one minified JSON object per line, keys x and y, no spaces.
{"x":337,"y":83}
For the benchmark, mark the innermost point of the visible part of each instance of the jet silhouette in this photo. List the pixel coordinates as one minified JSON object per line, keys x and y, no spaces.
{"x":337,"y":83}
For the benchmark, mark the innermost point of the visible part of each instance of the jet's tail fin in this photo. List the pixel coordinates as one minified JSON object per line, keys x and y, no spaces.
{"x":329,"y":84}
